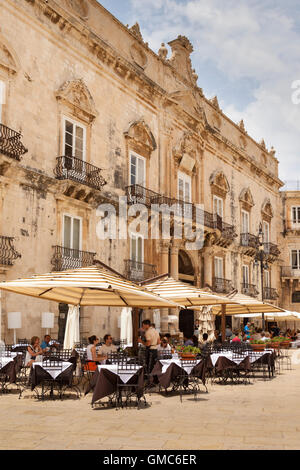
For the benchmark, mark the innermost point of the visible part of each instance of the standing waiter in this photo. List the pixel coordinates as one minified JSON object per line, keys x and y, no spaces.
{"x":152,"y":340}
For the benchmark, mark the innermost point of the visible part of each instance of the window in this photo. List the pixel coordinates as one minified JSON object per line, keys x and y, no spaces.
{"x":296,"y":297}
{"x":296,"y":215}
{"x":218,"y":206}
{"x":266,"y":232}
{"x":137,"y":251}
{"x":267,"y":279}
{"x":71,"y":232}
{"x":74,"y":139}
{"x":245,"y":274}
{"x":245,"y":221}
{"x":2,"y":99}
{"x":219,"y":268}
{"x":137,"y":171}
{"x":184,"y":187}
{"x":295,"y":259}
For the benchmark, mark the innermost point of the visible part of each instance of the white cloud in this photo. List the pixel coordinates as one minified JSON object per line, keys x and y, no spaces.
{"x":246,"y":39}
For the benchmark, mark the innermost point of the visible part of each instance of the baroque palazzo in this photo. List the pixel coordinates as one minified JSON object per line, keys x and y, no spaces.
{"x":90,"y":114}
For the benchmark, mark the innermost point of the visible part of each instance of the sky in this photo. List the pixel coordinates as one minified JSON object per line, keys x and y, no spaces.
{"x":246,"y":52}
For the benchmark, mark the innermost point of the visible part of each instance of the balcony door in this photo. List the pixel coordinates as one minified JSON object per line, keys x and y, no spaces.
{"x":72,"y":236}
{"x":219,"y":268}
{"x":137,"y":256}
{"x":184,"y":187}
{"x":245,"y":221}
{"x":137,"y":177}
{"x":266,"y":232}
{"x":246,"y":276}
{"x":74,"y":144}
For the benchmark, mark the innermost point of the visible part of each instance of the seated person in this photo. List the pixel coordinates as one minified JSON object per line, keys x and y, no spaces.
{"x":46,"y":343}
{"x":236,"y":338}
{"x":164,"y":346}
{"x":33,"y":351}
{"x":169,"y":340}
{"x":205,"y":343}
{"x":91,"y":352}
{"x":108,"y":347}
{"x":188,"y":341}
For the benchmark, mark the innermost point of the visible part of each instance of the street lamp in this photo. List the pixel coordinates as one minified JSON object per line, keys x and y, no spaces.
{"x":260,"y":259}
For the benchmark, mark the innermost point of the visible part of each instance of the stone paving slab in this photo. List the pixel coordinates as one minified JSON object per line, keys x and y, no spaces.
{"x":263,"y":415}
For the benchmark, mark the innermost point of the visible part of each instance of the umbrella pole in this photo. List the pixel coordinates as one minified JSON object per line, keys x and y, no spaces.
{"x":223,"y":324}
{"x":135,"y":327}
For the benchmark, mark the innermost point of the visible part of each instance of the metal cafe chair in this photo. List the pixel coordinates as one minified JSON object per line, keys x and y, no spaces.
{"x":186,"y":382}
{"x":126,"y":390}
{"x":48,"y":383}
{"x":161,"y":354}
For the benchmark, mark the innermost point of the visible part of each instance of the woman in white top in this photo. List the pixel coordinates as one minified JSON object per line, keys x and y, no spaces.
{"x":33,"y":351}
{"x":91,"y":352}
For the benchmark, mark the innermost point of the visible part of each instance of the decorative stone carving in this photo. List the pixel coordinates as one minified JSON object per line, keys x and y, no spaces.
{"x":246,"y":199}
{"x":272,"y":152}
{"x":141,"y":138}
{"x":163,"y":51}
{"x":243,"y":142}
{"x":185,"y":153}
{"x":219,"y":184}
{"x":76,"y":95}
{"x":214,"y":101}
{"x":138,"y":55}
{"x":241,"y":125}
{"x":8,"y":58}
{"x":263,"y":144}
{"x":189,"y":101}
{"x":180,"y":59}
{"x":80,"y":7}
{"x":267,"y":210}
{"x":194,"y":76}
{"x":136,"y":31}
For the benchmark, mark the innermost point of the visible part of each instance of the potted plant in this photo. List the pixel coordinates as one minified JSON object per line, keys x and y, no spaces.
{"x":188,"y":352}
{"x":275,"y":342}
{"x":257,"y":344}
{"x":285,"y":343}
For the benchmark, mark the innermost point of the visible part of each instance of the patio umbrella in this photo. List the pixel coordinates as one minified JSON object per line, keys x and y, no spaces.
{"x":181,"y":292}
{"x":72,"y":333}
{"x":89,"y":286}
{"x":126,"y":325}
{"x":243,"y":304}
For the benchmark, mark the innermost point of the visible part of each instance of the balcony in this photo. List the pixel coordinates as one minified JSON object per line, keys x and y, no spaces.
{"x":137,"y":271}
{"x":227,"y":234}
{"x":67,"y":258}
{"x":222,"y":286}
{"x":75,"y":169}
{"x":270,"y":293}
{"x":249,"y":289}
{"x":137,"y":194}
{"x":272,"y":250}
{"x":249,"y":243}
{"x":289,"y":272}
{"x":10,"y":143}
{"x":7,"y":251}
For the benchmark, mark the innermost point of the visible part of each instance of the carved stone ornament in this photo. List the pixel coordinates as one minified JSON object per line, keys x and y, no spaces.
{"x":272,"y":152}
{"x":189,"y":101}
{"x":136,"y":31}
{"x":185,"y":153}
{"x":138,"y":55}
{"x":80,"y":7}
{"x":263,"y":144}
{"x":241,"y":125}
{"x":8,"y":58}
{"x":219,"y":184}
{"x":246,"y":199}
{"x":214,"y":101}
{"x":141,"y":138}
{"x":76,"y":95}
{"x":180,"y":59}
{"x":267,"y":210}
{"x":163,"y":51}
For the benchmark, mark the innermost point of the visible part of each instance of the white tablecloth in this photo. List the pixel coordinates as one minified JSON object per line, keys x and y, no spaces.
{"x":126,"y":376}
{"x":167,"y":362}
{"x":53,"y":372}
{"x":238,"y":359}
{"x":5,"y":360}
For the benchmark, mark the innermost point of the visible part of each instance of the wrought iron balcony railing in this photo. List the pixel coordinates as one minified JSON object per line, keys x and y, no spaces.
{"x":222,"y":285}
{"x":249,"y":289}
{"x":67,"y":258}
{"x":137,"y":271}
{"x":75,"y":169}
{"x":228,"y":231}
{"x":7,"y":251}
{"x":10,"y":143}
{"x":249,"y":240}
{"x":137,"y":194}
{"x":270,"y":293}
{"x":289,"y":271}
{"x":271,"y":249}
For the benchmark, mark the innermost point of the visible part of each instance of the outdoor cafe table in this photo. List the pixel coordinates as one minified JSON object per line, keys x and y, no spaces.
{"x":10,"y":366}
{"x":105,"y":380}
{"x":166,"y":370}
{"x":40,"y":372}
{"x":226,"y":359}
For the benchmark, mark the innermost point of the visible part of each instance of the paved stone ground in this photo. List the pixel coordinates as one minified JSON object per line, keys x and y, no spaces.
{"x":263,"y":415}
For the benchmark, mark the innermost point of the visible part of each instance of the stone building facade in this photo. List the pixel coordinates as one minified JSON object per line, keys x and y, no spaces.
{"x":91,"y":114}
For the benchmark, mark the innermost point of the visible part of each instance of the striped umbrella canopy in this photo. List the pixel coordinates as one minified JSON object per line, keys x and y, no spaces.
{"x":90,"y":286}
{"x":245,"y":304}
{"x":182,"y":293}
{"x":275,"y":316}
